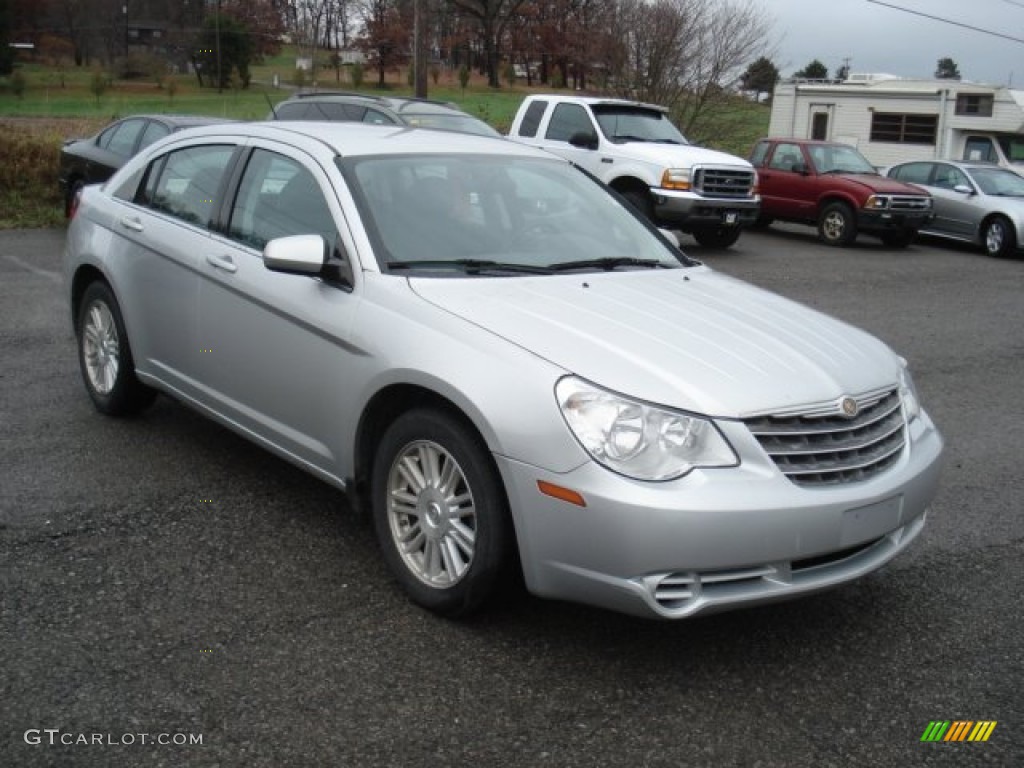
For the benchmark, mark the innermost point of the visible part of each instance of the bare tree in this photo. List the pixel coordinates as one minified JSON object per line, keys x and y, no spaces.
{"x":688,"y":55}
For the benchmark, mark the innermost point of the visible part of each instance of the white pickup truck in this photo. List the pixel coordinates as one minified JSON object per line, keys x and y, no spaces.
{"x":636,"y":150}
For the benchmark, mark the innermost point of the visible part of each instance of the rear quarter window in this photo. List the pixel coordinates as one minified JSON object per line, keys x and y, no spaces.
{"x":531,"y":120}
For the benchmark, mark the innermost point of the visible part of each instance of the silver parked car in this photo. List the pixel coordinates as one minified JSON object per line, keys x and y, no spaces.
{"x":976,"y":202}
{"x":504,"y":362}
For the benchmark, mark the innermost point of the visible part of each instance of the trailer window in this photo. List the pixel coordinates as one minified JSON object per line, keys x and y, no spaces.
{"x":903,"y":129}
{"x":979,"y":104}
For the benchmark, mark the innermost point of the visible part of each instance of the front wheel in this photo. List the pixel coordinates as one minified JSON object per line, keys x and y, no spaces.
{"x":836,"y":225}
{"x":105,"y":356}
{"x":716,"y":237}
{"x":999,"y":237}
{"x":640,"y":199}
{"x":440,"y":512}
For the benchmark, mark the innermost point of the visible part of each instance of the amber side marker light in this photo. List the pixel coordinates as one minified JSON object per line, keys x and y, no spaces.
{"x":560,"y":493}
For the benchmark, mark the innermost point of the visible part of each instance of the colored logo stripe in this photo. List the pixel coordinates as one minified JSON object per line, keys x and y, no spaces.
{"x":958,"y":730}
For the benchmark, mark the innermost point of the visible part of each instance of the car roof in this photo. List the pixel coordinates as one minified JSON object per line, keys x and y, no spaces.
{"x":348,"y":139}
{"x":181,"y":121}
{"x":601,"y":101}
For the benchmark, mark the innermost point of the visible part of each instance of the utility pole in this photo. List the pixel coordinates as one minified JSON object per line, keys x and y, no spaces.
{"x":419,"y":50}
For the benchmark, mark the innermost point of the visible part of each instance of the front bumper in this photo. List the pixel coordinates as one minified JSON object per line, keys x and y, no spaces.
{"x":892,"y":221}
{"x":715,"y":539}
{"x":687,"y":209}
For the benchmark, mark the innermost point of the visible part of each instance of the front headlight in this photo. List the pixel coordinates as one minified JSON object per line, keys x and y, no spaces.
{"x":877,"y":203}
{"x":636,"y":439}
{"x":908,"y":392}
{"x":676,"y":178}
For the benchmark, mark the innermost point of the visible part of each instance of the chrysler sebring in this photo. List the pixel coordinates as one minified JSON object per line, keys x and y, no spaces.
{"x":503,"y":363}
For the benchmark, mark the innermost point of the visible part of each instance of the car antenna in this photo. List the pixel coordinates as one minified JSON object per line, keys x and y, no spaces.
{"x":271,"y":104}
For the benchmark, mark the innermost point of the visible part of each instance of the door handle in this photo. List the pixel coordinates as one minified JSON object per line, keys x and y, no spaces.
{"x":222,"y":261}
{"x":133,"y":224}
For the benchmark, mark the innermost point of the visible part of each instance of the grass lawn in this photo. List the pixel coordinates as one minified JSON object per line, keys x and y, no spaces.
{"x":52,"y":104}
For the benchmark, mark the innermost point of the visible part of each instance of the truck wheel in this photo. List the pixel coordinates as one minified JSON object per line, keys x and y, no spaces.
{"x":716,"y":237}
{"x":999,"y":237}
{"x":640,"y":199}
{"x":899,"y":239}
{"x":836,"y":225}
{"x":440,"y":512}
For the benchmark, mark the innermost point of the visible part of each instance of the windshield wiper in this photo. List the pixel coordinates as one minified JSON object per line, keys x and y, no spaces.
{"x":628,"y":137}
{"x":469,"y":266}
{"x":608,"y":264}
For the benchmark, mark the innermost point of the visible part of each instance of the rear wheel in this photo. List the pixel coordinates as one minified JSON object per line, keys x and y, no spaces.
{"x":836,"y":225}
{"x":999,"y":237}
{"x":440,"y":512}
{"x":716,"y":237}
{"x":105,"y":356}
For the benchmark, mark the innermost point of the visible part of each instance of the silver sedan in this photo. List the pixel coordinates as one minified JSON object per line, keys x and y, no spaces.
{"x":974,"y":202}
{"x":503,"y":362}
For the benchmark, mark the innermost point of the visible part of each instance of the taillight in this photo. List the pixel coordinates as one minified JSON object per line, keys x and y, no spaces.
{"x":76,"y":200}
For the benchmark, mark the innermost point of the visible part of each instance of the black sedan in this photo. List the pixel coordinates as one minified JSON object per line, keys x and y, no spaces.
{"x":94,"y":160}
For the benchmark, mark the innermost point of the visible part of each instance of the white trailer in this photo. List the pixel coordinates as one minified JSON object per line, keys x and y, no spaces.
{"x":892,"y":120}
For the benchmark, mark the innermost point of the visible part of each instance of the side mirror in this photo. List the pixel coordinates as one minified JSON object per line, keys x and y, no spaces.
{"x":307,"y":255}
{"x":800,"y":168}
{"x":963,"y":189}
{"x":584,"y":140}
{"x":296,"y":255}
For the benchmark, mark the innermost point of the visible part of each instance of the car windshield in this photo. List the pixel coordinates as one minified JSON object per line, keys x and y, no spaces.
{"x":497,"y":214}
{"x":449,"y":122}
{"x":996,"y":181}
{"x":839,"y":158}
{"x":624,"y":123}
{"x":1013,"y":148}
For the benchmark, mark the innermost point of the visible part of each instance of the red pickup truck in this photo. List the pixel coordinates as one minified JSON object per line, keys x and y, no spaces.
{"x":834,"y":187}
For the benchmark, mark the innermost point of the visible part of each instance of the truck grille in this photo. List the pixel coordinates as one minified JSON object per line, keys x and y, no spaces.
{"x":814,"y":449}
{"x":909,"y":203}
{"x":723,"y":182}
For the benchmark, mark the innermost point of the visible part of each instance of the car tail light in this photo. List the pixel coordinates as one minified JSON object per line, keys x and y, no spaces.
{"x":76,"y":200}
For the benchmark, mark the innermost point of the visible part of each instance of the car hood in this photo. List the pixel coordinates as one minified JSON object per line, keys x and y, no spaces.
{"x":682,"y":155}
{"x":882,"y":184}
{"x":688,"y":338}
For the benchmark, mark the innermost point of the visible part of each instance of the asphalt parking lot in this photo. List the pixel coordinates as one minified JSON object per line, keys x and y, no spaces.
{"x":161,"y":576}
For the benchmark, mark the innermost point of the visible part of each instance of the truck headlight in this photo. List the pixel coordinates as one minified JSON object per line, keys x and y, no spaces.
{"x":877,"y":203}
{"x":636,"y":439}
{"x":908,"y":393}
{"x":676,"y":178}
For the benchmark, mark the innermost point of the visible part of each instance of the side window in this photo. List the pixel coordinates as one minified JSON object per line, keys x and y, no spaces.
{"x":187,"y":185}
{"x":758,"y":155}
{"x":914,"y":173}
{"x":122,"y":142}
{"x":377,"y":117}
{"x":948,"y":177}
{"x":786,"y":157}
{"x":531,"y":120}
{"x":979,"y":149}
{"x":278,"y":197}
{"x":566,"y":120}
{"x":154,"y":132}
{"x":295,"y":111}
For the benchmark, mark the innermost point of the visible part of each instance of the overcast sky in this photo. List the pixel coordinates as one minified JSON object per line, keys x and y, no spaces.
{"x":878,"y":38}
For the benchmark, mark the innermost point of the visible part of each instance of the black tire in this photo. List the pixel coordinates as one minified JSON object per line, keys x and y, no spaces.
{"x":74,"y":188}
{"x":716,"y":237}
{"x":999,"y":238}
{"x":900,"y":238}
{"x":105,"y":356}
{"x":837,"y":225}
{"x":640,"y":199}
{"x":452,"y":515}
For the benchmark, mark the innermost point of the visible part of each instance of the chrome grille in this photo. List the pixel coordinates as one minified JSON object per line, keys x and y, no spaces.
{"x":909,"y":203}
{"x":827,"y":449}
{"x":723,"y":182}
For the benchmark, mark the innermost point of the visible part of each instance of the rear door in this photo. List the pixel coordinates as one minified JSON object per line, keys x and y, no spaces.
{"x":160,"y":231}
